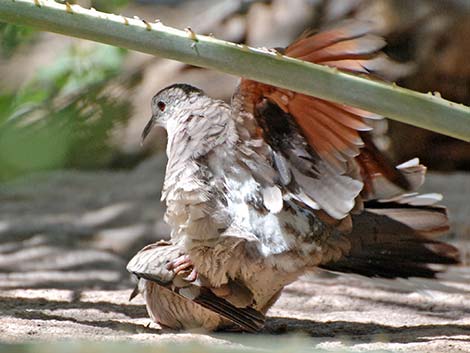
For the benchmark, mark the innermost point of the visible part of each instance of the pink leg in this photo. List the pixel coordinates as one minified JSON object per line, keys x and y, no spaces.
{"x":183,"y":263}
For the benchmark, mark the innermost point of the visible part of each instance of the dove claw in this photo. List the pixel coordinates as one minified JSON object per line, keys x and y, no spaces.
{"x":192,"y":276}
{"x":182,"y":264}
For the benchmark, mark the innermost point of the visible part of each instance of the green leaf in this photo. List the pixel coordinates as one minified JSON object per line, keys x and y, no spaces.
{"x":109,"y":5}
{"x":64,"y":117}
{"x":13,"y":36}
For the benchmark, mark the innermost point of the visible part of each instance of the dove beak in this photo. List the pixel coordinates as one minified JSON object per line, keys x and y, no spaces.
{"x":147,"y":130}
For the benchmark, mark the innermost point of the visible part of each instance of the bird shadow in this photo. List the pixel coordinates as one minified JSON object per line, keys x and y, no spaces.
{"x":357,"y":332}
{"x":365,"y":331}
{"x":276,"y":327}
{"x":41,"y":304}
{"x":62,"y":311}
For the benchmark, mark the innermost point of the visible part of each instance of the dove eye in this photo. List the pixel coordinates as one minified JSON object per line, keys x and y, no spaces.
{"x":161,"y":106}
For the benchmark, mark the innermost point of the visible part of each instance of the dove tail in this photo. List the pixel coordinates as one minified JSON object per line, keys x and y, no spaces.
{"x":392,"y":240}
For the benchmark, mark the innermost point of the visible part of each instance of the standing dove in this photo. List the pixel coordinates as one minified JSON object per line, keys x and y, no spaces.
{"x":278,"y":183}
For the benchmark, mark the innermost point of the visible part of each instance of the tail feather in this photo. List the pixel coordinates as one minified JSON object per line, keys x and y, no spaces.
{"x":427,"y":221}
{"x":394,"y":242}
{"x":383,"y":180}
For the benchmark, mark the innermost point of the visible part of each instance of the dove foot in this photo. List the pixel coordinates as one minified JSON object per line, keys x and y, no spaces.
{"x":183,"y":264}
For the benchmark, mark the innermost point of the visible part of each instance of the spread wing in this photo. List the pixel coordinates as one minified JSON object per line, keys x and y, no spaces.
{"x":321,"y":149}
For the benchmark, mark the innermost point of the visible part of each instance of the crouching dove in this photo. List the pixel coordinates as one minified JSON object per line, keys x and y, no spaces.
{"x":277,"y":183}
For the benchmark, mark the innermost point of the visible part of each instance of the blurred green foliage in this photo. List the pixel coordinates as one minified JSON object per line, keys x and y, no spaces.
{"x":65,"y":116}
{"x":102,"y":5}
{"x":12,"y":37}
{"x":109,"y":5}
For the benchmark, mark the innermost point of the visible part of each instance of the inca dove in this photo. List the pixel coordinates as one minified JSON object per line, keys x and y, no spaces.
{"x":261,"y":190}
{"x":176,"y":300}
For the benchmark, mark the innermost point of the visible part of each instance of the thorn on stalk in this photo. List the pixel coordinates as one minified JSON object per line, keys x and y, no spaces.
{"x":275,"y":51}
{"x":191,"y":33}
{"x":245,"y":47}
{"x":126,"y":21}
{"x":68,"y":8}
{"x":148,"y":26}
{"x":37,"y":3}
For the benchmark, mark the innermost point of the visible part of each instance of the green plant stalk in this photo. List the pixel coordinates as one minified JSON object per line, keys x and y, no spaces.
{"x":422,"y":110}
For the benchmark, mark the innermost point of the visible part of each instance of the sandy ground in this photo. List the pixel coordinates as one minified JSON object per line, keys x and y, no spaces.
{"x":65,"y":239}
{"x":328,"y":313}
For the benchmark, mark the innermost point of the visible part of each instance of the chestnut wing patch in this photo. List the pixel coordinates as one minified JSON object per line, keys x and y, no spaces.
{"x":317,"y":143}
{"x":306,"y":177}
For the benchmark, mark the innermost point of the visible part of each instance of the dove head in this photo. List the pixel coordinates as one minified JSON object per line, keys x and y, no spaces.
{"x":168,"y":103}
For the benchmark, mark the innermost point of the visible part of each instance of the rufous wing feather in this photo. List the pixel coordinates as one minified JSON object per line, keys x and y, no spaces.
{"x":331,"y":129}
{"x":336,"y":133}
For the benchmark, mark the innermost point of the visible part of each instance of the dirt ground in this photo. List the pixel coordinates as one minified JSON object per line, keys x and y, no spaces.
{"x":329,"y":313}
{"x":65,"y":238}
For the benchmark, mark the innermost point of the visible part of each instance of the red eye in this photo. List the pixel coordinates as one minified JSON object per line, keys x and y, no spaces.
{"x":161,"y":106}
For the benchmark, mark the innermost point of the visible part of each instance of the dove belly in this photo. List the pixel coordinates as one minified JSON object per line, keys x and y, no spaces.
{"x":289,"y":229}
{"x":177,"y":312}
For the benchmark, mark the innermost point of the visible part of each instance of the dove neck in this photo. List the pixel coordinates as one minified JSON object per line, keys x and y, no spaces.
{"x":200,"y":147}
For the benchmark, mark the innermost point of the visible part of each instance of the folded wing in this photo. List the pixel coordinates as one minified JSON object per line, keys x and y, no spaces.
{"x":150,"y":264}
